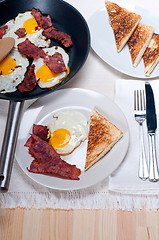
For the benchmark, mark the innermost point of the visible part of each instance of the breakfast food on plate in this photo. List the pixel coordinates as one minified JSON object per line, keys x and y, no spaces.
{"x":68,"y":130}
{"x":46,"y":159}
{"x":12,"y":70}
{"x":139,"y":41}
{"x":65,"y":134}
{"x":123,"y":23}
{"x":57,"y":60}
{"x":151,"y":55}
{"x":102,"y":137}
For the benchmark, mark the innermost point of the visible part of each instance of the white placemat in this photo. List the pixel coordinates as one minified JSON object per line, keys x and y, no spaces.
{"x":25,"y":193}
{"x":125,"y":179}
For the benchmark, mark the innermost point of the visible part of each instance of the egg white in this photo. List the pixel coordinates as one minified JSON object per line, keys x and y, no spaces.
{"x":73,"y":121}
{"x":36,"y":38}
{"x":9,"y":82}
{"x":39,"y":62}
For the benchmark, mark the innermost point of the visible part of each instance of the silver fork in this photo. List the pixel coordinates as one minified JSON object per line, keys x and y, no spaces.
{"x":140,"y":116}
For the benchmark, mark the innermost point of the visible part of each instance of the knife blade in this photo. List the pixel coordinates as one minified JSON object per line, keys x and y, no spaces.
{"x":151,"y":121}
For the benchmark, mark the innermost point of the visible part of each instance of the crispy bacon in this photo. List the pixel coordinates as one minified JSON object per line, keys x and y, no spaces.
{"x":43,"y":21}
{"x":3,"y":31}
{"x":55,"y":63}
{"x":40,"y":131}
{"x":21,"y":32}
{"x":29,"y":82}
{"x":62,"y":37}
{"x":47,"y":161}
{"x":30,"y":50}
{"x":49,"y":30}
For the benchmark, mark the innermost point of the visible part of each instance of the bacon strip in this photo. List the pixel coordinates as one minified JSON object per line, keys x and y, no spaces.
{"x":3,"y":31}
{"x":29,"y":82}
{"x":50,"y":31}
{"x":43,"y":21}
{"x":30,"y":50}
{"x":62,"y":37}
{"x":21,"y":32}
{"x":55,"y":63}
{"x":40,"y":131}
{"x":47,"y":161}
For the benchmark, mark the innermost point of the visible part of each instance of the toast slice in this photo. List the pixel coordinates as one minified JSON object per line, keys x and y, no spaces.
{"x":151,"y":55}
{"x":102,"y":137}
{"x":123,"y":23}
{"x":139,"y":41}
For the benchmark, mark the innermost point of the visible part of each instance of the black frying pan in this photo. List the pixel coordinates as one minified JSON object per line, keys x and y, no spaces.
{"x":65,"y":18}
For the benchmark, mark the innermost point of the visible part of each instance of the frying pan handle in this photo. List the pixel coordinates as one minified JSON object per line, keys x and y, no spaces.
{"x":9,"y":143}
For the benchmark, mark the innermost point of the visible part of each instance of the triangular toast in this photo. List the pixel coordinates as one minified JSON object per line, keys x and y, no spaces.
{"x":123,"y":23}
{"x":151,"y":55}
{"x":102,"y":137}
{"x":139,"y":41}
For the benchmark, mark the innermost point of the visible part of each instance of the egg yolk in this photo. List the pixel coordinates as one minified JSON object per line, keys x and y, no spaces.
{"x":60,"y":138}
{"x":30,"y":26}
{"x":44,"y":74}
{"x":7,"y":66}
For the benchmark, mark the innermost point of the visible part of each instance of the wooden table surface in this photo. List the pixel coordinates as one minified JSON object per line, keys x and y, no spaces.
{"x":58,"y":224}
{"x":31,"y":224}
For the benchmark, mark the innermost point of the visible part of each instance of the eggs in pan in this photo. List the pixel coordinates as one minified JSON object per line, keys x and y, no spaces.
{"x":47,"y":78}
{"x":67,"y":131}
{"x":18,"y":66}
{"x":33,"y":32}
{"x":12,"y":70}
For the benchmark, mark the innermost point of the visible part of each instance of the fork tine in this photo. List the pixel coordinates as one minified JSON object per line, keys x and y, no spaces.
{"x":141,"y":101}
{"x":138,"y":102}
{"x":135,"y":100}
{"x":142,"y":96}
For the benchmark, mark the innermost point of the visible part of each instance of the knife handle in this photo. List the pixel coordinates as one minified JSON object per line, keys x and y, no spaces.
{"x":153,"y":164}
{"x":143,"y":168}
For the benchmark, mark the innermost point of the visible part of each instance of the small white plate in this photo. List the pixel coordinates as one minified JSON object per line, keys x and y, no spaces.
{"x":103,"y":41}
{"x":42,"y":111}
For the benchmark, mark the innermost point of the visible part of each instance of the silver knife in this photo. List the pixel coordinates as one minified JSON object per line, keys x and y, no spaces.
{"x":151,"y":126}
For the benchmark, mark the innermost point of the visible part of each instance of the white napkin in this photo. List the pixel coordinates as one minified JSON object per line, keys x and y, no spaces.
{"x":125,"y":178}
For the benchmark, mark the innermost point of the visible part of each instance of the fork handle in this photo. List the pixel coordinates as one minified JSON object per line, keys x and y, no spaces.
{"x":143,"y":169}
{"x":153,"y":169}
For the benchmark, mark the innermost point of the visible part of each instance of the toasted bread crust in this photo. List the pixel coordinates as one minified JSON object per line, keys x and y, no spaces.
{"x":139,"y":40}
{"x":151,"y":54}
{"x":123,"y":23}
{"x":102,"y":136}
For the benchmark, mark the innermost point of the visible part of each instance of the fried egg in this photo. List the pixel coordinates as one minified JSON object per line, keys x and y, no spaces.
{"x":34,"y":34}
{"x":12,"y":70}
{"x":46,"y":77}
{"x":67,"y":131}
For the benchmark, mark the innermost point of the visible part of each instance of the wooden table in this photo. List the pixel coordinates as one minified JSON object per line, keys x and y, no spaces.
{"x":50,"y":224}
{"x":56,"y":224}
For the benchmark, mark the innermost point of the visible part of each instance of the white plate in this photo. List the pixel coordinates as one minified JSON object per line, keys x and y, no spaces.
{"x":103,"y":41}
{"x":42,"y":111}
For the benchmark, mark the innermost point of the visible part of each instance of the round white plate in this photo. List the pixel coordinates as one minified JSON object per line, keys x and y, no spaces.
{"x":42,"y":111}
{"x":103,"y":41}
